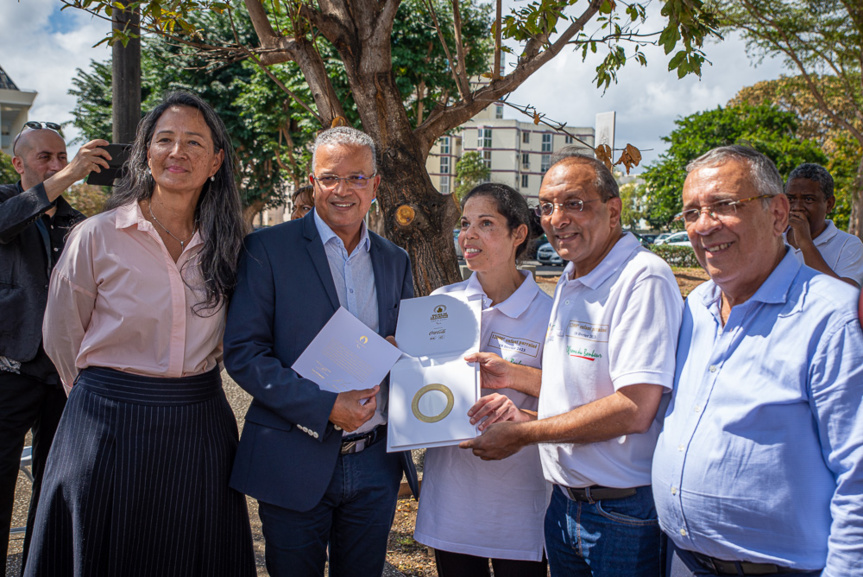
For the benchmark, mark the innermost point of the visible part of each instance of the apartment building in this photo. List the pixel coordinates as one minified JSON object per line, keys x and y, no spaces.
{"x":14,"y":106}
{"x":518,"y":153}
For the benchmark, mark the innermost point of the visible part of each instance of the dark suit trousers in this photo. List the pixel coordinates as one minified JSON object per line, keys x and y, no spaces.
{"x":25,"y":403}
{"x":351,"y":523}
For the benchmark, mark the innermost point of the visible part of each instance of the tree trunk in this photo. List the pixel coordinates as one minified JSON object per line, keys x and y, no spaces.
{"x":251,"y":211}
{"x":855,"y":223}
{"x":415,"y":215}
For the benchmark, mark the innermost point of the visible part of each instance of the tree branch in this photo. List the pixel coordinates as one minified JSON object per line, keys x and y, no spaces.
{"x":461,"y":67}
{"x":430,"y":5}
{"x":444,"y":118}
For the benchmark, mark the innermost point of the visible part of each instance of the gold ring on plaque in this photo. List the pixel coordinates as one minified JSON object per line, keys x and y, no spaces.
{"x":415,"y":405}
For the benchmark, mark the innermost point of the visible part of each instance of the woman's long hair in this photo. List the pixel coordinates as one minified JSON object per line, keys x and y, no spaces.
{"x":219,"y":211}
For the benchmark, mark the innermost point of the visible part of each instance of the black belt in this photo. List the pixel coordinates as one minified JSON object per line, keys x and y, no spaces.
{"x":722,"y":567}
{"x":597,"y":493}
{"x":357,"y":443}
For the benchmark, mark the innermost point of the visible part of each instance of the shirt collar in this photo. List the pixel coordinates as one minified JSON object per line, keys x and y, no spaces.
{"x":130,"y":215}
{"x":327,"y":233}
{"x":827,"y":234}
{"x":518,"y":301}
{"x":774,"y":289}
{"x":616,"y":257}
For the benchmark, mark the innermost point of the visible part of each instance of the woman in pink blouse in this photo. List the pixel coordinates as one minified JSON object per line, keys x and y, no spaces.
{"x":137,"y":478}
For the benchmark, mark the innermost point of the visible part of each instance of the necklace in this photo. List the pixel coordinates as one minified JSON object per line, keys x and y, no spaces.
{"x":182,"y":242}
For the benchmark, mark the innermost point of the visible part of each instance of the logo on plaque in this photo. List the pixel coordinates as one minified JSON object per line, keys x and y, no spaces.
{"x":432,"y":403}
{"x":439,"y":313}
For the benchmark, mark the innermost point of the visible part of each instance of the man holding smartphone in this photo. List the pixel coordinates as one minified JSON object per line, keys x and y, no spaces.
{"x":34,"y":222}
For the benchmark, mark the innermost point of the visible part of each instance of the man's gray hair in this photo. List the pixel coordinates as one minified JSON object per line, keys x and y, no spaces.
{"x":345,"y":135}
{"x":605,"y":184}
{"x":815,"y":172}
{"x":763,"y":171}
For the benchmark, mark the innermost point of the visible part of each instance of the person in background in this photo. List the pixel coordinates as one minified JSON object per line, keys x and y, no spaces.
{"x":34,"y":222}
{"x":818,"y":243}
{"x":759,"y":467}
{"x":303,"y":201}
{"x":472,"y":511}
{"x":137,"y":479}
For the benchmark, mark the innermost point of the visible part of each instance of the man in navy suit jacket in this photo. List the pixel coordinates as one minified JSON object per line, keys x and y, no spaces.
{"x":316,"y":461}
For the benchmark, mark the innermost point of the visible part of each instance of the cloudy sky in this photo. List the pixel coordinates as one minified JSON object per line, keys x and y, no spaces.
{"x":41,"y":46}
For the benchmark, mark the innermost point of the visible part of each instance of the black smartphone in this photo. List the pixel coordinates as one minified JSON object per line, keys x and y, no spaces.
{"x":119,"y":153}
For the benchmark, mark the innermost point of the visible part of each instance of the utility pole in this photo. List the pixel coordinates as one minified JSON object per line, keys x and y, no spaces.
{"x":126,"y":81}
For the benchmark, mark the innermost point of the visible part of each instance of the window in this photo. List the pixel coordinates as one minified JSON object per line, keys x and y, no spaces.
{"x":444,"y":185}
{"x":545,"y":162}
{"x":486,"y":158}
{"x":525,"y":137}
{"x":568,"y":139}
{"x":524,"y":180}
{"x":484,"y":139}
{"x":444,"y":145}
{"x":546,"y":142}
{"x":525,"y":160}
{"x":498,"y":111}
{"x":444,"y":164}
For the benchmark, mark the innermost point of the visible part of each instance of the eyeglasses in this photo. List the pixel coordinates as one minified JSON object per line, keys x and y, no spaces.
{"x":34,"y":125}
{"x":720,"y":211}
{"x":570,"y":206}
{"x":356,"y":181}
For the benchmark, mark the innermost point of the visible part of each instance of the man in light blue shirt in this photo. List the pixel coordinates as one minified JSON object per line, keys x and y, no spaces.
{"x":759,"y":468}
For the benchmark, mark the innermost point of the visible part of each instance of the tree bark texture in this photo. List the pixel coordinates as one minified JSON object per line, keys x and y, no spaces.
{"x":415,"y":215}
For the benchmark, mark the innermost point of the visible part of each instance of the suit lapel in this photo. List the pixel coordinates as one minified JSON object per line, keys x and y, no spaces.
{"x":383,"y":287}
{"x":319,"y":258}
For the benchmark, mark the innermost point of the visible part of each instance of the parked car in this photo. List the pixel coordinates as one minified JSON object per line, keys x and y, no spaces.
{"x":458,"y":252}
{"x":660,"y":238}
{"x":677,"y":239}
{"x":548,"y":256}
{"x":640,"y":237}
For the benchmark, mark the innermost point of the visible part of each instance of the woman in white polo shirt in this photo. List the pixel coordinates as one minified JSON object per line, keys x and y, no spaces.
{"x":473,"y":511}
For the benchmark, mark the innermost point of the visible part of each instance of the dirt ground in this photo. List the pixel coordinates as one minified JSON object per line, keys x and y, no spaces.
{"x":405,"y":557}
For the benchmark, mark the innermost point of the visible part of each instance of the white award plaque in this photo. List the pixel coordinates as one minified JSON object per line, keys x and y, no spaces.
{"x":431,"y":385}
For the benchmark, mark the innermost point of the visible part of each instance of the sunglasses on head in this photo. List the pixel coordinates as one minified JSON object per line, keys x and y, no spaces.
{"x":34,"y":125}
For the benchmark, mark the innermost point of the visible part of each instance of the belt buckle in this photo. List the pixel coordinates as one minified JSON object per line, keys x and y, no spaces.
{"x":348,"y":448}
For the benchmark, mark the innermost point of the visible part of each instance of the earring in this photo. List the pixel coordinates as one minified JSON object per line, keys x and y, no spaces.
{"x":213,"y":178}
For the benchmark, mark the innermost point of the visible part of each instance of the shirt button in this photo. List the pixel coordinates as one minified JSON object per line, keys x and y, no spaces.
{"x":351,"y":291}
{"x":712,"y":368}
{"x":680,"y":448}
{"x":697,"y":408}
{"x":56,"y":249}
{"x":674,"y":490}
{"x":566,"y":302}
{"x":683,"y":532}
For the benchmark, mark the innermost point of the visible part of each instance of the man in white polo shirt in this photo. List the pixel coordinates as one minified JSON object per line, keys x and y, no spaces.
{"x":818,"y":243}
{"x":607,"y":364}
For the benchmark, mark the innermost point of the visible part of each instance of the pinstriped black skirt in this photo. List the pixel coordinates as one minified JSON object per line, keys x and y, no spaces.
{"x":137,"y":482}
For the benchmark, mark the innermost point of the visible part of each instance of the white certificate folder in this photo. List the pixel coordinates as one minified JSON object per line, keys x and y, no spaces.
{"x":431,"y":385}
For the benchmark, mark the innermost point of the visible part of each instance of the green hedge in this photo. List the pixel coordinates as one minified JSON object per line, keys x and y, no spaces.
{"x":682,"y":256}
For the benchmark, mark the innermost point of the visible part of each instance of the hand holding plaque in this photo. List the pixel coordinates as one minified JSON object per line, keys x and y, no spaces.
{"x":431,"y":386}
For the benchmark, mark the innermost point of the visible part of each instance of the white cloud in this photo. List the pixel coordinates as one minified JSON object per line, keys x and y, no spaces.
{"x":647,"y":99}
{"x":42,"y":46}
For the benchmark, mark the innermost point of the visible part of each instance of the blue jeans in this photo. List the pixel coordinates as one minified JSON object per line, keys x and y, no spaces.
{"x":614,"y":538}
{"x":353,"y":520}
{"x":682,"y":563}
